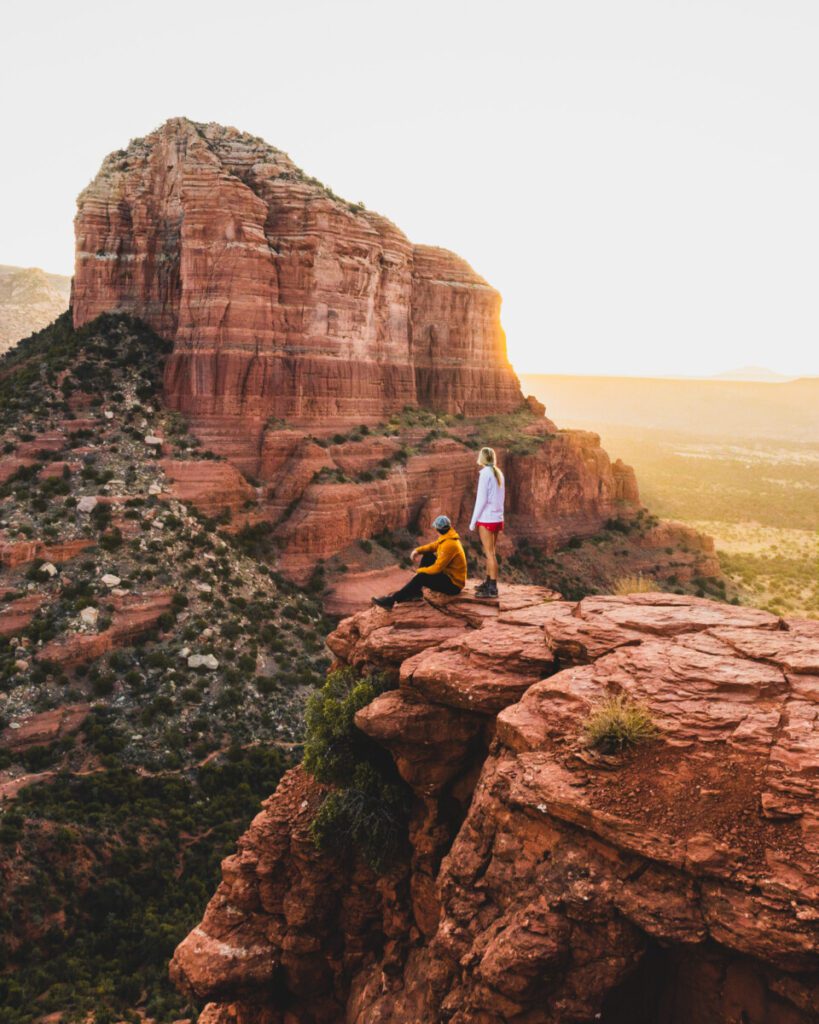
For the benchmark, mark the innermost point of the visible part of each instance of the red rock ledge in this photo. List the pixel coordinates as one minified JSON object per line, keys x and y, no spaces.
{"x":547,"y":884}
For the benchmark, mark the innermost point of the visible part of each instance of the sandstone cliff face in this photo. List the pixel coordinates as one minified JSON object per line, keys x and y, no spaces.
{"x":546,"y":883}
{"x":282,"y":299}
{"x":568,"y":486}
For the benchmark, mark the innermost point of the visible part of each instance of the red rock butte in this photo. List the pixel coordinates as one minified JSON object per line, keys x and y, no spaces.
{"x":282,"y":299}
{"x":293,"y":313}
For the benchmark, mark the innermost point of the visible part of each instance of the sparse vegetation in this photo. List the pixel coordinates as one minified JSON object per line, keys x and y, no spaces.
{"x":141,"y":837}
{"x":618,"y":723}
{"x":365,"y":812}
{"x":131,"y":860}
{"x":635,"y":584}
{"x":756,"y":497}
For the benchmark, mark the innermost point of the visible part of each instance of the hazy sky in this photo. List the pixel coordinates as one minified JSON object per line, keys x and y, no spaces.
{"x":639,"y":178}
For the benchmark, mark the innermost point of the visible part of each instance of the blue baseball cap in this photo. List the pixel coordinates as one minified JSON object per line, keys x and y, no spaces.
{"x":442,"y":523}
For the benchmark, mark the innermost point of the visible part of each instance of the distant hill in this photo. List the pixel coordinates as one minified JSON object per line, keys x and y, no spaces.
{"x":719,"y":408}
{"x":759,"y":374}
{"x":30,"y":299}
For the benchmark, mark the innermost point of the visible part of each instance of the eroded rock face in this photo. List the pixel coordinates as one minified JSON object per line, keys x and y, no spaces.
{"x":282,"y":299}
{"x":295,"y":315}
{"x":546,"y":882}
{"x":134,"y":615}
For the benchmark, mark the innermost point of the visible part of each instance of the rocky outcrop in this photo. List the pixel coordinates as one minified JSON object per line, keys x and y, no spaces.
{"x":45,"y":727}
{"x":29,"y":300}
{"x":134,"y":615}
{"x":563,"y":485}
{"x":17,"y":614}
{"x":210,"y":486}
{"x":546,"y":881}
{"x":282,"y":299}
{"x":16,"y":553}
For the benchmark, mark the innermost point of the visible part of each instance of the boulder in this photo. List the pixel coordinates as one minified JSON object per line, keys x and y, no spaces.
{"x":89,"y":616}
{"x":207,"y":661}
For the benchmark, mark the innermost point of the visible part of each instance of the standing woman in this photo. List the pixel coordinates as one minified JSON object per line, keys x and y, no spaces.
{"x":488,"y":517}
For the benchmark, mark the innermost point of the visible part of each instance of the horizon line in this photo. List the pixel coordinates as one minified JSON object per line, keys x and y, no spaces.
{"x":714,"y":378}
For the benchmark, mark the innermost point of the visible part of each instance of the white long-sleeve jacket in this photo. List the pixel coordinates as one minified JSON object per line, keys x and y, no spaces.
{"x":489,"y":502}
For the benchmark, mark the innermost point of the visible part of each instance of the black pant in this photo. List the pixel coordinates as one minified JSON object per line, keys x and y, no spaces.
{"x":437,"y":581}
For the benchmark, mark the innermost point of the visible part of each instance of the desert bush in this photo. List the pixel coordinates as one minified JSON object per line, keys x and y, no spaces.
{"x":122,"y":930}
{"x":366,"y":811}
{"x":619,"y":525}
{"x":618,"y":723}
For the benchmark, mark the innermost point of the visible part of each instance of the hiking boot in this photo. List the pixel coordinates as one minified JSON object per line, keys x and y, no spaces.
{"x":493,"y":588}
{"x":384,"y":602}
{"x":482,"y":590}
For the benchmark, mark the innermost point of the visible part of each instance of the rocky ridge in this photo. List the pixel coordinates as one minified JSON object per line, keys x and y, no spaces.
{"x":544,"y":881}
{"x":122,"y":583}
{"x":153,"y":673}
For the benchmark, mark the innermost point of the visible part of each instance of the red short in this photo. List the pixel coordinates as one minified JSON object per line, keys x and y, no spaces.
{"x":492,"y":527}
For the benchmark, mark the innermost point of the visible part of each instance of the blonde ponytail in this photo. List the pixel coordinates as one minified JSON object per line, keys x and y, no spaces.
{"x":487,"y":458}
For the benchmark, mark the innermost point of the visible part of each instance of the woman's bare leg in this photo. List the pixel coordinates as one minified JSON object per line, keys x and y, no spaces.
{"x":488,"y":543}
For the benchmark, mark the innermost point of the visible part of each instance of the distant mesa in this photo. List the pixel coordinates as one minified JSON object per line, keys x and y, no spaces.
{"x":30,"y":299}
{"x":786,"y":410}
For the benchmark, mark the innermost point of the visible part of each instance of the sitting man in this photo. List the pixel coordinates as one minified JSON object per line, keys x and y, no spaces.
{"x":443,"y":567}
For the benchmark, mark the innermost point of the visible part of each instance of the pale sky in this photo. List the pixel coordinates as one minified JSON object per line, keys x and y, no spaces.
{"x":639,"y":178}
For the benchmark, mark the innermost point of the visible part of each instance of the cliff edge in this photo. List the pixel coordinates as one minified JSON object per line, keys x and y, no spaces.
{"x":544,"y":881}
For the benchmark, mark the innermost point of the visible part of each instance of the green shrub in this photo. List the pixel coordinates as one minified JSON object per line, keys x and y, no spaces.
{"x":365,"y":812}
{"x":617,"y":723}
{"x":367,"y":816}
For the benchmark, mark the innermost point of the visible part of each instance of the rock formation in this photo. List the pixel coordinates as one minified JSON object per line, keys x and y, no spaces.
{"x":543,"y":881}
{"x":29,"y":300}
{"x":282,"y":300}
{"x":293,"y":315}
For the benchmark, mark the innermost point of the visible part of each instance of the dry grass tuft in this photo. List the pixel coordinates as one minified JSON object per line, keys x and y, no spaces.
{"x":635,"y":584}
{"x":618,"y":723}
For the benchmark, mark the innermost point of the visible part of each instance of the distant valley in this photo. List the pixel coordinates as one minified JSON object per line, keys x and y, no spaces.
{"x":724,"y":409}
{"x":739,"y":460}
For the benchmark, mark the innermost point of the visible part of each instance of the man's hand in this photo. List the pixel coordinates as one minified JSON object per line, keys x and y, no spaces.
{"x":415,"y":553}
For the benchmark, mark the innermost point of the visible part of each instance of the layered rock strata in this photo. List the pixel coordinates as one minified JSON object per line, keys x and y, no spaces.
{"x":545,"y":882}
{"x":282,"y":300}
{"x":294,"y":316}
{"x":566,"y":487}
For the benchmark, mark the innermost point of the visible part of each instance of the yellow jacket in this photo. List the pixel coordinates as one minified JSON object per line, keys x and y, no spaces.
{"x":450,"y":557}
